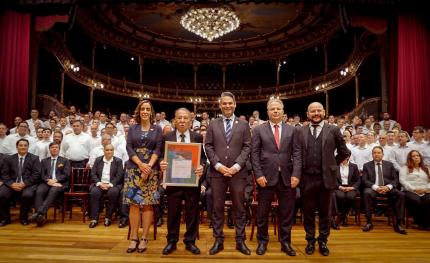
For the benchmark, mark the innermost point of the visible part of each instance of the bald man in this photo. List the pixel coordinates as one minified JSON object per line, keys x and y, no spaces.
{"x":319,"y":141}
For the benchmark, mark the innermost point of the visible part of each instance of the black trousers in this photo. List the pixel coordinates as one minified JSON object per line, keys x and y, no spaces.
{"x":209,"y":203}
{"x":345,"y":200}
{"x":96,"y":194}
{"x":395,"y":197}
{"x":236,"y":186}
{"x":191,"y":196}
{"x":316,"y":198}
{"x":45,"y":196}
{"x":419,"y":207}
{"x":286,"y":200}
{"x":26,"y":197}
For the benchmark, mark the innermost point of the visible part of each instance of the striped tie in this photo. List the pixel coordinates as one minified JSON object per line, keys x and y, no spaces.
{"x":228,"y":130}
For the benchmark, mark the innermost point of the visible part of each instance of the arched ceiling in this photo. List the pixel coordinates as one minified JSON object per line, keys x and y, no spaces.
{"x":267,"y":30}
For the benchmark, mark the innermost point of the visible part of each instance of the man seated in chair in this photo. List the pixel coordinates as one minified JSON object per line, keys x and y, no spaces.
{"x":20,"y":175}
{"x":380,"y":179}
{"x":107,"y":177}
{"x":55,"y":177}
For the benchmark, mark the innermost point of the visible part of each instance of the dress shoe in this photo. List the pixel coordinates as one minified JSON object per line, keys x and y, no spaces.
{"x":4,"y":222}
{"x":143,"y":245}
{"x":399,"y":229}
{"x":160,"y":222}
{"x":93,"y":224}
{"x":334,"y":225}
{"x":288,"y":249}
{"x":169,"y":248}
{"x":108,"y":222}
{"x":323,"y":248}
{"x":192,"y":248}
{"x":241,"y":246}
{"x":367,"y":227}
{"x":133,"y":248}
{"x":310,"y":247}
{"x":123,"y":223}
{"x":33,"y":217}
{"x":217,"y":247}
{"x":40,"y":220}
{"x":24,"y":222}
{"x":261,"y":249}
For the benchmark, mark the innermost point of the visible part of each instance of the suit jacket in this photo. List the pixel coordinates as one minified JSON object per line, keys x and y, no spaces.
{"x":332,"y":140}
{"x":62,"y":170}
{"x":388,"y":171}
{"x":194,"y":138}
{"x":354,"y":178}
{"x":30,"y":169}
{"x":267,"y":158}
{"x":237,"y":150}
{"x":116,"y":171}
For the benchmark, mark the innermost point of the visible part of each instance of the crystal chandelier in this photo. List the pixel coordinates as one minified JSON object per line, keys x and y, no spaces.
{"x":210,"y":23}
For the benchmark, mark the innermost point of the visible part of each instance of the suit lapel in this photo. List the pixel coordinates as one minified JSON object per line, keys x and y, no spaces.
{"x":324,"y":131}
{"x":112,"y":168}
{"x":350,"y":171}
{"x":269,"y":131}
{"x":283,"y":134}
{"x":306,"y":131}
{"x":233,"y":130}
{"x":372,"y":167}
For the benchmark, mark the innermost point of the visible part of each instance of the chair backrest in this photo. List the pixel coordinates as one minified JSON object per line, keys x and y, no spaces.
{"x":80,"y":180}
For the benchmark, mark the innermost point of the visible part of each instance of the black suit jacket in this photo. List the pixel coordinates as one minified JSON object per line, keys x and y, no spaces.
{"x":62,"y":170}
{"x":267,"y":158}
{"x":354,"y":178}
{"x":237,"y":150}
{"x":30,"y":173}
{"x":388,"y":171}
{"x":116,"y":171}
{"x":194,"y":138}
{"x":332,"y":140}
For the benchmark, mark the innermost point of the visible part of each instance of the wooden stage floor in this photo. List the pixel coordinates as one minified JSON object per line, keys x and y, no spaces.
{"x":73,"y":241}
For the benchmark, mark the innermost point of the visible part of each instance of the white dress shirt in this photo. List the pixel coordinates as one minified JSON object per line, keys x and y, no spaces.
{"x":400,"y":156}
{"x":232,"y":120}
{"x":99,"y":151}
{"x":417,"y":179}
{"x":426,"y":155}
{"x":76,"y":147}
{"x":106,"y":173}
{"x":361,"y":155}
{"x":376,"y":185}
{"x":9,"y":143}
{"x":272,"y":125}
{"x":344,"y":173}
{"x":418,"y":146}
{"x":187,"y":136}
{"x":41,"y":149}
{"x":319,"y":128}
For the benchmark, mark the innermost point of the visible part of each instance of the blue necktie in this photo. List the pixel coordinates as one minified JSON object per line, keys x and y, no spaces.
{"x":228,"y":130}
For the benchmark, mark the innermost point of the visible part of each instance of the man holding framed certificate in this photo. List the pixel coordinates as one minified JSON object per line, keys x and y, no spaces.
{"x":182,"y":168}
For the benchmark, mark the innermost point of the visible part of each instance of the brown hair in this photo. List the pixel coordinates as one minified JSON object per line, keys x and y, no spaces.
{"x":137,"y":112}
{"x":410,"y":163}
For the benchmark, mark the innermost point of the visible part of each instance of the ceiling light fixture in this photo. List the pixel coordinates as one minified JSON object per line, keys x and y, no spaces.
{"x":210,"y":23}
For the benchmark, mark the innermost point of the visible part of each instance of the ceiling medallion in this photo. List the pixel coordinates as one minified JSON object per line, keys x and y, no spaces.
{"x":210,"y":23}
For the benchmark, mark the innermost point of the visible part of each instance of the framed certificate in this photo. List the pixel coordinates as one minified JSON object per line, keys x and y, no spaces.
{"x":182,"y":161}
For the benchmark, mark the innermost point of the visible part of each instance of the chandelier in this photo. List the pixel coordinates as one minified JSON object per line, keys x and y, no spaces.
{"x":210,"y":23}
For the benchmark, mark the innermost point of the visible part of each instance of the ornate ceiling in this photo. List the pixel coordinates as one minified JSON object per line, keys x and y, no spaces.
{"x":267,"y":30}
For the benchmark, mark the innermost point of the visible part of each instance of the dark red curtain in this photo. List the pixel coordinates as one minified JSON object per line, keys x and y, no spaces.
{"x":14,"y":61}
{"x":413,"y":72}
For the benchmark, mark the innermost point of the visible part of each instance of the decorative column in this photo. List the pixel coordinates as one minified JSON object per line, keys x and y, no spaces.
{"x":224,"y":68}
{"x":93,"y":57}
{"x":357,"y":94}
{"x":327,"y":103}
{"x":195,"y":68}
{"x":140,"y":70}
{"x":91,"y":98}
{"x":278,"y":69}
{"x":325,"y":59}
{"x":62,"y":87}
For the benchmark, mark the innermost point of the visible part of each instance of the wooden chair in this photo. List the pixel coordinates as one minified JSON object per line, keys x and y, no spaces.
{"x":383,"y":201}
{"x":80,"y":180}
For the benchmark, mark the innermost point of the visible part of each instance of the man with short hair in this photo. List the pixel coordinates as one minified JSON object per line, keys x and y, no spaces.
{"x":20,"y":175}
{"x":380,"y":178}
{"x":418,"y":143}
{"x":362,"y":153}
{"x":3,"y":131}
{"x":76,"y":146}
{"x":386,"y":117}
{"x":16,"y":121}
{"x":34,"y":113}
{"x":123,"y":120}
{"x":65,"y":129}
{"x":103,"y":120}
{"x":55,"y":180}
{"x":228,"y":144}
{"x":194,"y":123}
{"x":175,"y":194}
{"x":9,"y":143}
{"x":401,"y":151}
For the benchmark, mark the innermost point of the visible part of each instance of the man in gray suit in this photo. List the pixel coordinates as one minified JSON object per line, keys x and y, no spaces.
{"x":228,"y":144}
{"x":319,"y":141}
{"x":277,"y":163}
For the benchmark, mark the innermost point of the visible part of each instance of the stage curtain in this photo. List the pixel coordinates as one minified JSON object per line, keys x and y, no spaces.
{"x":44,"y":23}
{"x":14,"y":61}
{"x":413,"y":67}
{"x":375,"y":25}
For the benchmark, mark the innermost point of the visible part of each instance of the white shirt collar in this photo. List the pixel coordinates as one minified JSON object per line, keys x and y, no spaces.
{"x":107,"y":161}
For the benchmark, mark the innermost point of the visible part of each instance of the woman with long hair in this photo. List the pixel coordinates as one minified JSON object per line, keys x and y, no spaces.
{"x":144,"y":142}
{"x":415,"y":178}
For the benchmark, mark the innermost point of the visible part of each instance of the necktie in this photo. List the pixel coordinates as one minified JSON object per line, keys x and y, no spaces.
{"x":380,"y":176}
{"x":53,"y":168}
{"x":314,"y":131}
{"x":277,"y":135}
{"x":19,"y":179}
{"x":182,"y":137}
{"x":228,"y":129}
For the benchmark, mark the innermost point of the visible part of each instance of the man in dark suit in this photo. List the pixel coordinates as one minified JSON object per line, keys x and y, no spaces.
{"x":107,"y":177}
{"x":20,"y":175}
{"x":175,"y":194}
{"x":347,"y":188}
{"x":55,"y":180}
{"x":277,"y":165}
{"x":380,"y":178}
{"x":228,"y":145}
{"x":319,"y":141}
